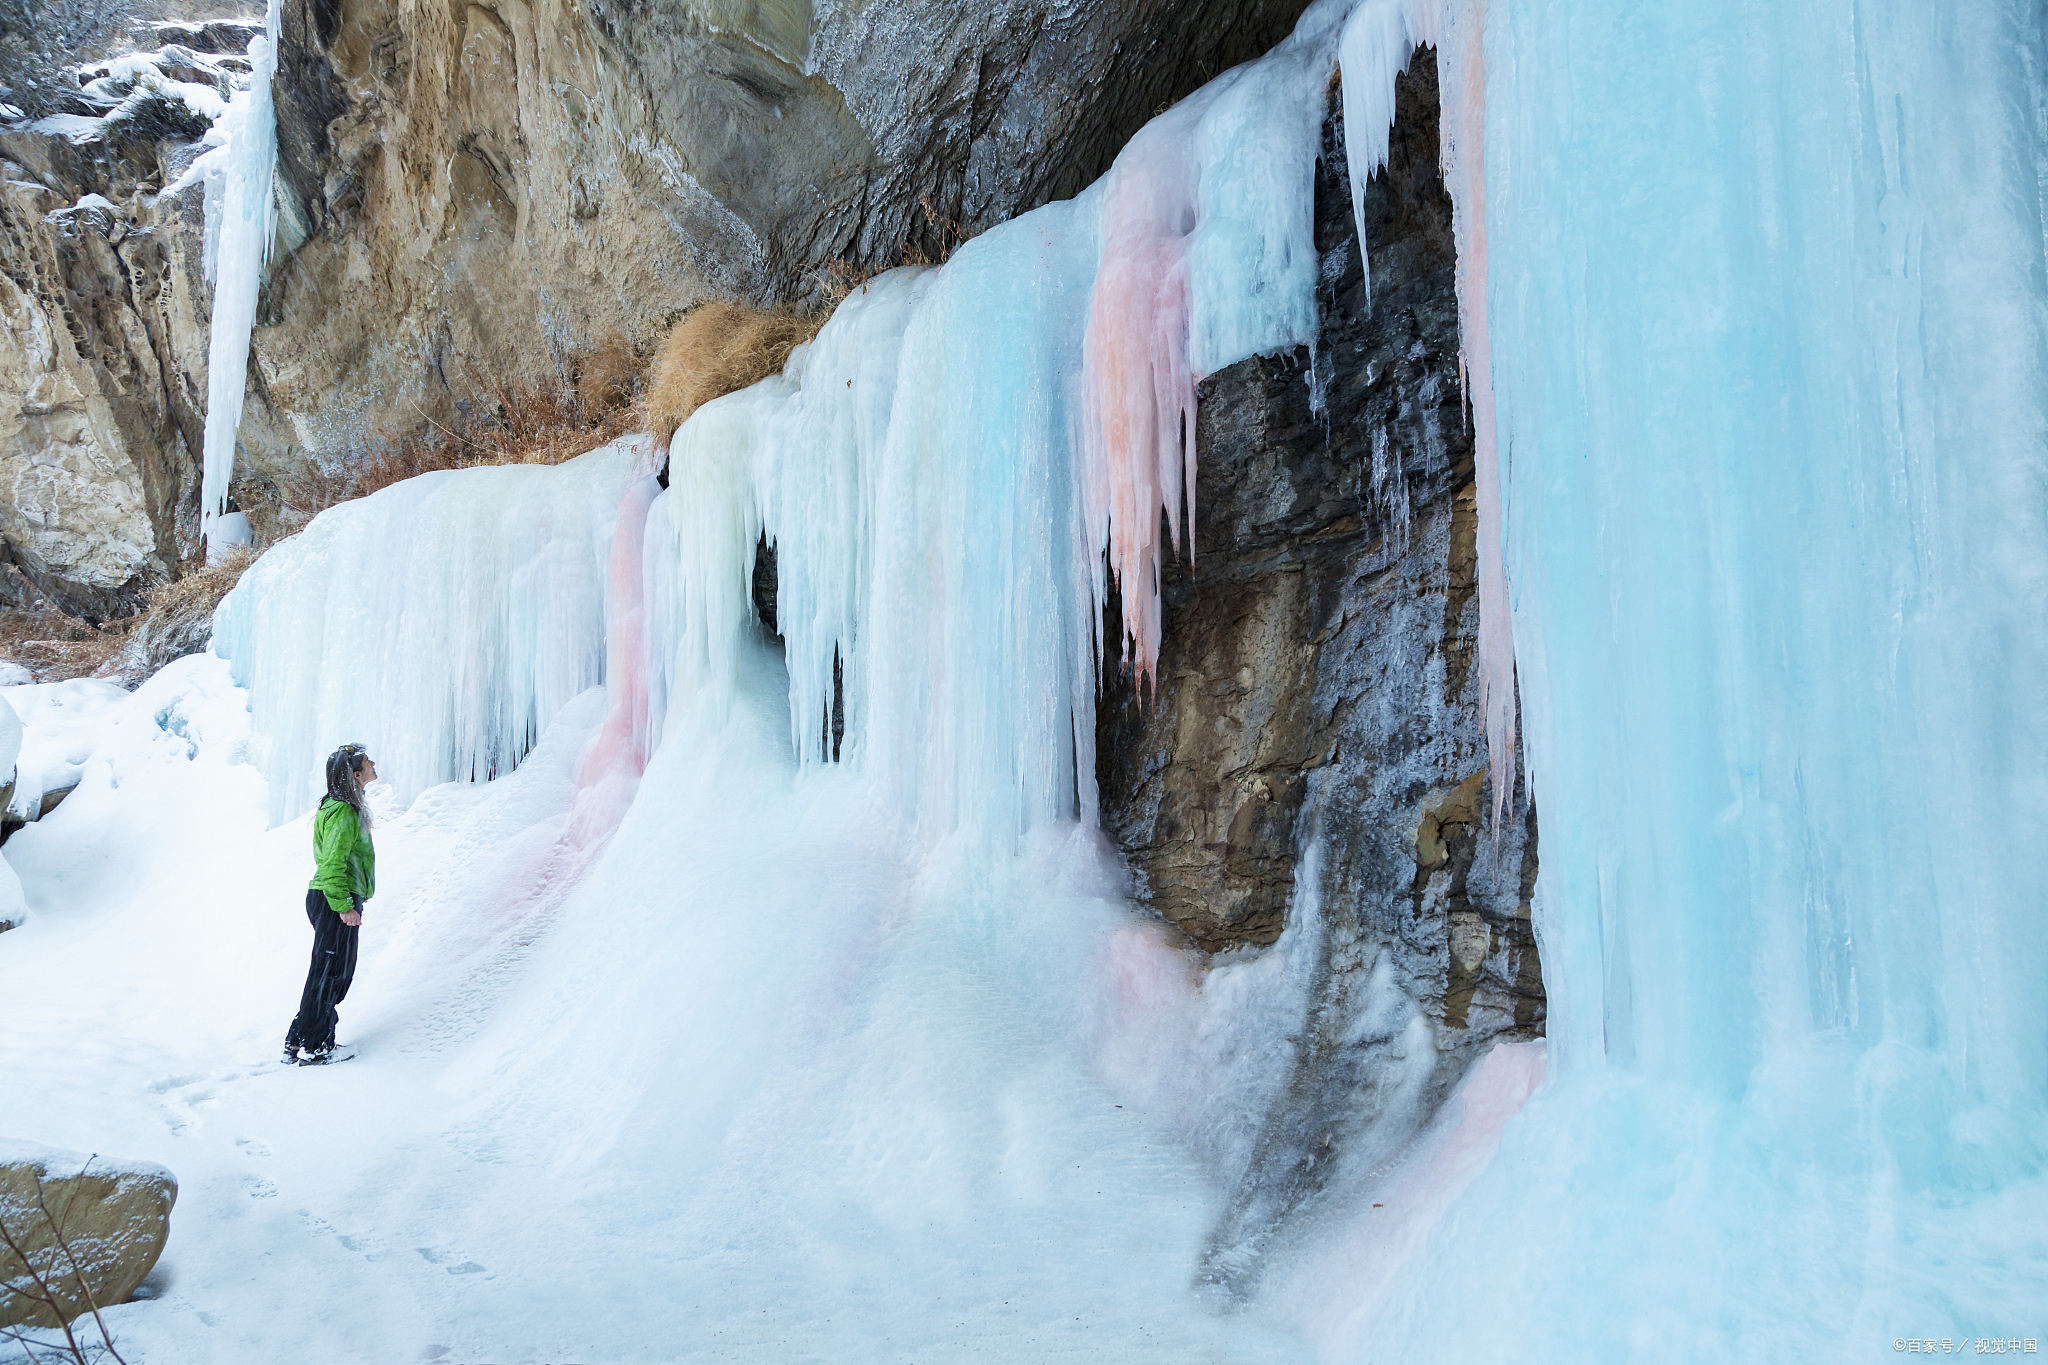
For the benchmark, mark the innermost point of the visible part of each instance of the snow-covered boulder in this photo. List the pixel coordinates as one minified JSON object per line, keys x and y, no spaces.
{"x":108,"y":1217}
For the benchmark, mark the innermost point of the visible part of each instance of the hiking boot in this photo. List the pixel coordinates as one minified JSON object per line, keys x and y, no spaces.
{"x":291,"y":1054}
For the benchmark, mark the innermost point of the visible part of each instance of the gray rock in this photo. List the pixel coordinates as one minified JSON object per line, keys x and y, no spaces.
{"x":89,"y":1229}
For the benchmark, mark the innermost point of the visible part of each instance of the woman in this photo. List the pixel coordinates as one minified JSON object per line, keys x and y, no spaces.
{"x":344,"y":876}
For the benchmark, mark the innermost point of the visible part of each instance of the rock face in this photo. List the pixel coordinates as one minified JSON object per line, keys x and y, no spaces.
{"x":1312,"y":763}
{"x":493,"y":187}
{"x":103,"y":305}
{"x":112,"y":1217}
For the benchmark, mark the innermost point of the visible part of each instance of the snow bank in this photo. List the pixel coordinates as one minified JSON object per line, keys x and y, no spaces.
{"x":60,"y":724}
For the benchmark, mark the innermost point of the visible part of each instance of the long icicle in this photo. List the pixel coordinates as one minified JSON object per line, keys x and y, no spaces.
{"x":248,"y":223}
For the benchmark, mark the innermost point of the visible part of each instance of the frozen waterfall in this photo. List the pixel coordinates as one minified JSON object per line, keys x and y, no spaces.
{"x":241,"y":220}
{"x":1754,"y":313}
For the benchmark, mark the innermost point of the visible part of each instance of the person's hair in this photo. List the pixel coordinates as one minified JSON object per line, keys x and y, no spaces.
{"x":342,"y":783}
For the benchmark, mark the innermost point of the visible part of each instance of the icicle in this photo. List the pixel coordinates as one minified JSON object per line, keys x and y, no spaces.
{"x":442,"y":621}
{"x":1139,"y":410}
{"x":238,"y":249}
{"x":1461,"y":78}
{"x":1207,"y":257}
{"x":1379,"y":40}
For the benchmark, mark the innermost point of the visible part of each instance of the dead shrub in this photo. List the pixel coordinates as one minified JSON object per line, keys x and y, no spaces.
{"x":608,"y":378}
{"x":510,"y":421}
{"x":718,"y":348}
{"x":194,"y":596}
{"x":178,"y":621}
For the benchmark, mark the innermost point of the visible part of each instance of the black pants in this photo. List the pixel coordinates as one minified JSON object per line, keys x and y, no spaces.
{"x":327,"y":979}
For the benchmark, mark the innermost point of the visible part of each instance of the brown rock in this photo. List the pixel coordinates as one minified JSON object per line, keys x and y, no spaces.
{"x":90,"y":1229}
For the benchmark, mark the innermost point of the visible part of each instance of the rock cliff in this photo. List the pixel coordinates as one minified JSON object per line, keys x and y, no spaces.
{"x":1312,"y":762}
{"x":104,"y":306}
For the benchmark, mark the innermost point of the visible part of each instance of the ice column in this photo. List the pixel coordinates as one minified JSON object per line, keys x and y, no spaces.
{"x":1779,"y":406}
{"x":240,"y":238}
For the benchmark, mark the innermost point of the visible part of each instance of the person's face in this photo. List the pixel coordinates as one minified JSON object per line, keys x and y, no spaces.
{"x":366,"y":771}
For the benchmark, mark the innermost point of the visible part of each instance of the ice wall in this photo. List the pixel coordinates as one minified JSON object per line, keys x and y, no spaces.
{"x":1767,"y":304}
{"x":442,"y":622}
{"x":241,"y":213}
{"x":1778,"y":401}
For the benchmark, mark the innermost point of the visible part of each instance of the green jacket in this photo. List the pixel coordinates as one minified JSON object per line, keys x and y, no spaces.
{"x":344,"y":863}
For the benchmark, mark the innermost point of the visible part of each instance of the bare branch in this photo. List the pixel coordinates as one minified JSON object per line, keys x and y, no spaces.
{"x":64,"y":1245}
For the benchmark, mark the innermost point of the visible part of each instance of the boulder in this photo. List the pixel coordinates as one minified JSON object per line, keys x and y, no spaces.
{"x":89,"y":1227}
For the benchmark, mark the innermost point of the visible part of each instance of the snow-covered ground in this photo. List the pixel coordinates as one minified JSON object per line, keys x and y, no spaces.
{"x":736,"y":1082}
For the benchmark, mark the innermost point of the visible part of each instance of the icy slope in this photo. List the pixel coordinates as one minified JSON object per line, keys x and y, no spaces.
{"x":757,"y":1088}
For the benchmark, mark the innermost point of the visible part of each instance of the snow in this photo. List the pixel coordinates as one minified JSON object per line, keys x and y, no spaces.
{"x":796,"y":1094}
{"x":88,"y":204}
{"x":60,"y":727}
{"x":57,"y":1164}
{"x":10,"y":725}
{"x":120,"y":85}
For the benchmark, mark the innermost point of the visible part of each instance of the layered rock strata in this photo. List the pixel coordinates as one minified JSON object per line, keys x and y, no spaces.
{"x":1310,"y":771}
{"x":103,"y":309}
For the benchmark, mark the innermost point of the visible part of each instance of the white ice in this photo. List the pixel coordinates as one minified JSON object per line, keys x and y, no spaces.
{"x":442,"y":621}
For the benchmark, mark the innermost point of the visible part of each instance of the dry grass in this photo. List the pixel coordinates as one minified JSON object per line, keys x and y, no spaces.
{"x":518,"y":423}
{"x":719,"y":348}
{"x":194,"y":596}
{"x":177,"y":621}
{"x":53,"y":645}
{"x":509,"y":422}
